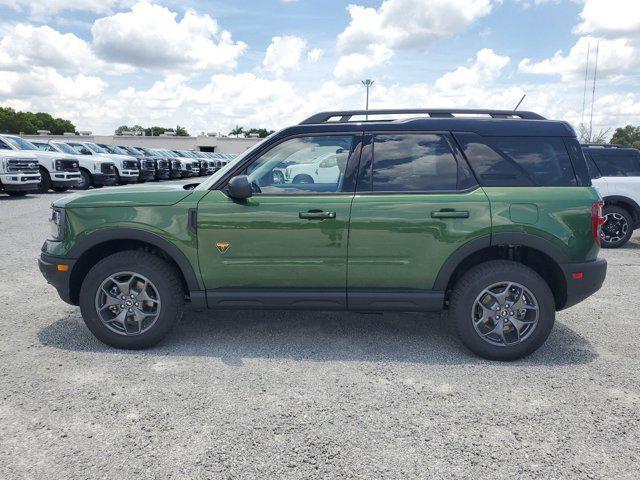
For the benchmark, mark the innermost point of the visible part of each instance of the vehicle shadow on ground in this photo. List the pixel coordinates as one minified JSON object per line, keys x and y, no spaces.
{"x":318,"y":336}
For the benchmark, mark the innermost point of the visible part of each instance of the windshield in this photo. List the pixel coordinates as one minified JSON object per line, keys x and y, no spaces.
{"x":63,"y":147}
{"x":95,"y":148}
{"x":133,"y":150}
{"x":232,"y":163}
{"x":19,"y":143}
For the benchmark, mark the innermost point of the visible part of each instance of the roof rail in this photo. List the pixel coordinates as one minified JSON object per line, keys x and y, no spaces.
{"x":345,"y":116}
{"x":602,"y":145}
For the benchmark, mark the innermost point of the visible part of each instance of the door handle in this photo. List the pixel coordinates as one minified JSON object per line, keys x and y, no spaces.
{"x":316,"y":215}
{"x":450,"y":214}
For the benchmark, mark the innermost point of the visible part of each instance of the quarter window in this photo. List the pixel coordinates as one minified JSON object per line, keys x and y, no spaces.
{"x":313,"y":164}
{"x":413,"y":163}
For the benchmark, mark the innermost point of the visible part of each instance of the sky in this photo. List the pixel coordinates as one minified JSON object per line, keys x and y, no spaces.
{"x":211,"y":65}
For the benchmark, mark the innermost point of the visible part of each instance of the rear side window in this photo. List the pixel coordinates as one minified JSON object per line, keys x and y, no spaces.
{"x":591,"y":166}
{"x":413,"y":163}
{"x":518,"y":161}
{"x":617,"y":163}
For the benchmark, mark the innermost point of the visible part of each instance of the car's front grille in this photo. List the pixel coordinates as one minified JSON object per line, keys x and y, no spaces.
{"x":149,"y":165}
{"x":176,"y":165}
{"x":163,"y":165}
{"x":108,"y":168}
{"x":22,"y":165}
{"x":130,"y":164}
{"x":187,"y":166}
{"x":66,"y":165}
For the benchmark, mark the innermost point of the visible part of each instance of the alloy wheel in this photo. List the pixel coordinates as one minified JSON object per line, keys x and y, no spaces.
{"x":505,"y":314}
{"x":615,"y":228}
{"x":128,"y":303}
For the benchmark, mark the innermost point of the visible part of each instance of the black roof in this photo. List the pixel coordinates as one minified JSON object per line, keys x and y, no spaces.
{"x":482,"y":122}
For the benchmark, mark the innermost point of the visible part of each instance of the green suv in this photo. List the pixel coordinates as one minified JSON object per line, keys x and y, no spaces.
{"x":488,"y":214}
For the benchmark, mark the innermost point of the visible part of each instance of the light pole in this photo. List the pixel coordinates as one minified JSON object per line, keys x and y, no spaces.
{"x":367,"y":83}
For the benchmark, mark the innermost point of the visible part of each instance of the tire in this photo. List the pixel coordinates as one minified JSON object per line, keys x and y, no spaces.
{"x":16,"y":194}
{"x":165,"y":282}
{"x":617,"y":228}
{"x":302,"y":179}
{"x":85,"y":180}
{"x":45,"y":181}
{"x":118,"y":177}
{"x":469,"y":290}
{"x":60,"y":189}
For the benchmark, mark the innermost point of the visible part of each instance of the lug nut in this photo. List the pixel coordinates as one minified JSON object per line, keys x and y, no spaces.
{"x":130,"y":310}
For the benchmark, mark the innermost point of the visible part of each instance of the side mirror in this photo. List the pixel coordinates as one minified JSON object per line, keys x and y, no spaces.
{"x":239,"y":187}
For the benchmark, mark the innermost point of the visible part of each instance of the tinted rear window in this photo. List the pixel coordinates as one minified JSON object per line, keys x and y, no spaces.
{"x":591,"y":166}
{"x":518,"y":161}
{"x":413,"y":163}
{"x":617,"y":163}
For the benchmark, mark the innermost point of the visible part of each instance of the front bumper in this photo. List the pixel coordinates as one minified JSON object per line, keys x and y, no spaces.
{"x":186,"y":174}
{"x":57,"y":276}
{"x":20,"y":182}
{"x":65,"y":179}
{"x":163,"y":174}
{"x":583,"y":279}
{"x":147,"y":174}
{"x":129,"y":176}
{"x":104,"y":179}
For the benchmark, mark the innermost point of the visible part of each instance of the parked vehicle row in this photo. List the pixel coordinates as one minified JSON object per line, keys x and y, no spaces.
{"x":43,"y":165}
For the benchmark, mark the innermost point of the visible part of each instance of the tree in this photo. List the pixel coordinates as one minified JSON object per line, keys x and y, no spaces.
{"x":12,"y":121}
{"x":628,"y":136}
{"x":261,"y":132}
{"x":237,"y":131}
{"x":181,"y":131}
{"x":585,"y":135}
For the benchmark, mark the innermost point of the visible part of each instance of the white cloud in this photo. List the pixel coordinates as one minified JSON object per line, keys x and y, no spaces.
{"x":487,"y":67}
{"x":149,"y":36}
{"x":315,"y":54}
{"x":47,"y":82}
{"x":373,"y":35}
{"x":284,"y":53}
{"x":610,"y":18}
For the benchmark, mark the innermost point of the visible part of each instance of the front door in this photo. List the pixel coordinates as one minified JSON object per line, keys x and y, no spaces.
{"x":416,"y":203}
{"x":287,"y":245}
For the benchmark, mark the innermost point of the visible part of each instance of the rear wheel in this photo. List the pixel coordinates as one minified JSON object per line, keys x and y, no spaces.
{"x":45,"y":181}
{"x":303,"y":178}
{"x":617,"y":228}
{"x":85,"y":180}
{"x":131,"y":299}
{"x":502,"y":310}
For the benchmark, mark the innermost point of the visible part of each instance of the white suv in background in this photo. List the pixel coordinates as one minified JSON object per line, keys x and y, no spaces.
{"x":58,"y":171}
{"x":615,"y":173}
{"x":94,"y":171}
{"x":127,"y":170}
{"x":19,"y":173}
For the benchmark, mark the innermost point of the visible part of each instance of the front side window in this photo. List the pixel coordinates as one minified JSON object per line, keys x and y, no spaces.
{"x":78,"y":147}
{"x":64,"y":148}
{"x":413,"y":163}
{"x":4,"y":146}
{"x":617,"y":163}
{"x":313,"y":164}
{"x":44,"y":147}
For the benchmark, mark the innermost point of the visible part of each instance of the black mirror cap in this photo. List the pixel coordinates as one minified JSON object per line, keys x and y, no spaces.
{"x":239,"y":187}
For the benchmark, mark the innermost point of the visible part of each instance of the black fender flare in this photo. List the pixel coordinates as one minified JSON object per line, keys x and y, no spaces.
{"x":125,"y":233}
{"x":497,"y":239}
{"x":616,"y":199}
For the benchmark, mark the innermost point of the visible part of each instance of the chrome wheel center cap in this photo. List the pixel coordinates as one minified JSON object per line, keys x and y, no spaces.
{"x":128,"y":303}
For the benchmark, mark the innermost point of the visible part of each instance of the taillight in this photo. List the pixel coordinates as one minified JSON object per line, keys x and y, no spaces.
{"x":597,"y":220}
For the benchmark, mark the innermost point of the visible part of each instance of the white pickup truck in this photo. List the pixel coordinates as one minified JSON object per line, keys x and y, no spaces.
{"x":58,"y":171}
{"x":127,"y":170}
{"x":615,"y":173}
{"x":94,"y":171}
{"x":19,"y":173}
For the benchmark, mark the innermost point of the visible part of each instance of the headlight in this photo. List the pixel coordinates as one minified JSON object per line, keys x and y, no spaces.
{"x":56,"y":223}
{"x":58,"y":165}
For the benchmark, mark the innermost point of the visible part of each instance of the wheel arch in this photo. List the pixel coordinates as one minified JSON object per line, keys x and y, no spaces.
{"x":627,"y":203}
{"x":106,"y":242}
{"x":539,"y":254}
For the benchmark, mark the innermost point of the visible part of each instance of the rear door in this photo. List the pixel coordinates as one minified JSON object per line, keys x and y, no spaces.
{"x":416,"y":203}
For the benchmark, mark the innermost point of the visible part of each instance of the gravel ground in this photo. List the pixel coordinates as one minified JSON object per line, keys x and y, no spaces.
{"x":309,"y":395}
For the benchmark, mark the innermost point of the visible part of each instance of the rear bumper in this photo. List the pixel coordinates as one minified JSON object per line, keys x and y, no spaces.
{"x":60,"y":279}
{"x":583,"y":279}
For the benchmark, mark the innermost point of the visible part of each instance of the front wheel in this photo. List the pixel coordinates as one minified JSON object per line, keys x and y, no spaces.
{"x":502,"y":310}
{"x":131,"y":299}
{"x":45,"y":181}
{"x":17,"y":194}
{"x":85,"y":180}
{"x":617,"y":228}
{"x":60,"y":189}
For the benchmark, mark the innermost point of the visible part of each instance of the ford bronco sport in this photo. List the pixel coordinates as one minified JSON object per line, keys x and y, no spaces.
{"x":615,"y":173}
{"x":488,"y":214}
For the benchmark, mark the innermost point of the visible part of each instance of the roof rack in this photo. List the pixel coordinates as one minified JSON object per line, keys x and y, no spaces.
{"x":345,"y":116}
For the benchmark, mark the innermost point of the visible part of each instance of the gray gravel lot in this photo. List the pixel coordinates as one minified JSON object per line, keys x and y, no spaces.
{"x":309,"y":395}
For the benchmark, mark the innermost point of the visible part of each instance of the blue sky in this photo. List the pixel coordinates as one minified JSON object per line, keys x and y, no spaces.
{"x":209,"y":65}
